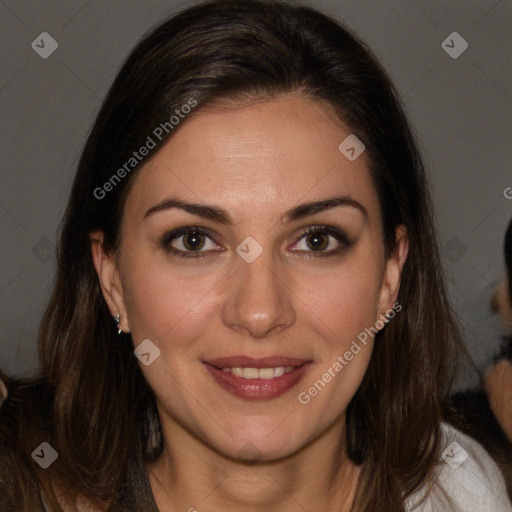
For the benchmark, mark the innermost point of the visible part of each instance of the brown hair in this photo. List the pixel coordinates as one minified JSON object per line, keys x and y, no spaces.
{"x":90,"y":401}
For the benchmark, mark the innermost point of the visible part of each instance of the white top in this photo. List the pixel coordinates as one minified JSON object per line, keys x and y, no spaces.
{"x":468,"y":475}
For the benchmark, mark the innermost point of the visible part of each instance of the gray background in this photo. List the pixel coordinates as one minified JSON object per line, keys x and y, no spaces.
{"x":461,"y":109}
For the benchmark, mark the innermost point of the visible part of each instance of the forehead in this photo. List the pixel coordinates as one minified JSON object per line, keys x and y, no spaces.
{"x":272,"y":154}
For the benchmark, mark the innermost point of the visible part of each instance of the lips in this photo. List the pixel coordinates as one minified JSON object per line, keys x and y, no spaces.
{"x":253,"y":387}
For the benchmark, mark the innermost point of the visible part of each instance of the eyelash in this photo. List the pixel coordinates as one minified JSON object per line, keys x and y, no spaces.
{"x":168,"y":237}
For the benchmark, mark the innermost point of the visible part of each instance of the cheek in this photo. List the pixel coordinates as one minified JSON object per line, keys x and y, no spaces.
{"x":346,"y":302}
{"x":344,"y":356}
{"x":347,"y":305}
{"x":173,"y":305}
{"x":166,"y":303}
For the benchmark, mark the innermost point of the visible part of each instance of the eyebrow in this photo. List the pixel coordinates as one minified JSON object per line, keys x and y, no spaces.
{"x":220,"y":215}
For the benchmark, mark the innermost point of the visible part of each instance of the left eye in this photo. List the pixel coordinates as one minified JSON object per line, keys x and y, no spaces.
{"x":319,"y":238}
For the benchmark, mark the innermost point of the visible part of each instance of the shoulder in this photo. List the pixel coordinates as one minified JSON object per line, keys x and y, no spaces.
{"x":24,"y":421}
{"x":18,"y":485}
{"x":467,"y":475}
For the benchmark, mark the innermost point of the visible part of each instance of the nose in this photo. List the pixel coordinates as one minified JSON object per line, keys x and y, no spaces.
{"x":259,"y":300}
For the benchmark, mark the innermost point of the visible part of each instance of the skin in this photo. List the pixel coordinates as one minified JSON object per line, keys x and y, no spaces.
{"x":256,"y":161}
{"x":498,"y":378}
{"x":3,"y":392}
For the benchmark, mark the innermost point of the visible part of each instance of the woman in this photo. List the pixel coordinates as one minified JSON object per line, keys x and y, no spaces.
{"x":251,"y":209}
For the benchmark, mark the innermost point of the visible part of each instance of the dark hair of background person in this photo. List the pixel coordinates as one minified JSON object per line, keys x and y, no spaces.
{"x":506,"y":346}
{"x":508,"y":257}
{"x":90,"y":400}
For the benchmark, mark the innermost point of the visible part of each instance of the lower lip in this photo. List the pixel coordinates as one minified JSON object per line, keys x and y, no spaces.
{"x":258,"y":389}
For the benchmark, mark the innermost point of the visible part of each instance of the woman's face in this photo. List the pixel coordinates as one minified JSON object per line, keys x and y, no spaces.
{"x":253,"y":297}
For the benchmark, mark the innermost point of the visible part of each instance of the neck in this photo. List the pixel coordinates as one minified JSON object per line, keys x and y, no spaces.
{"x":192,"y":476}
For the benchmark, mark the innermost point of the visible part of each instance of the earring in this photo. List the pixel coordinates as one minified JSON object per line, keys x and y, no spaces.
{"x":117,"y":319}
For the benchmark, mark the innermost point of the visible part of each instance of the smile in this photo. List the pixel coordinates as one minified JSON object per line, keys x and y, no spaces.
{"x":257,"y":379}
{"x":259,"y":373}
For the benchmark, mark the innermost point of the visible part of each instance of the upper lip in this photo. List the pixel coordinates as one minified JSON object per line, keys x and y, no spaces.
{"x":255,"y":362}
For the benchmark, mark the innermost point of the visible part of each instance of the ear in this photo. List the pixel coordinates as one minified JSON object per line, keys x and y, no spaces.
{"x":393,"y":271}
{"x":109,"y":278}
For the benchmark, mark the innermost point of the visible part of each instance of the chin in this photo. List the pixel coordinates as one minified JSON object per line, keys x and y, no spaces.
{"x":257,"y":444}
{"x":261,"y":450}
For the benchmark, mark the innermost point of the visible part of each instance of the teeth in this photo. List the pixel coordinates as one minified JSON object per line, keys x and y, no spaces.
{"x":278,"y":371}
{"x":237,"y":372}
{"x":250,"y":373}
{"x":259,"y":373}
{"x":265,"y":373}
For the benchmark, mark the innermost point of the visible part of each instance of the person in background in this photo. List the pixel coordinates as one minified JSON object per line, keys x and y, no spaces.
{"x":498,"y":380}
{"x":486,"y":414}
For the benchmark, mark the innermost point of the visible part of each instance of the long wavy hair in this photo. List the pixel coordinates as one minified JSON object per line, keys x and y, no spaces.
{"x":90,"y":401}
